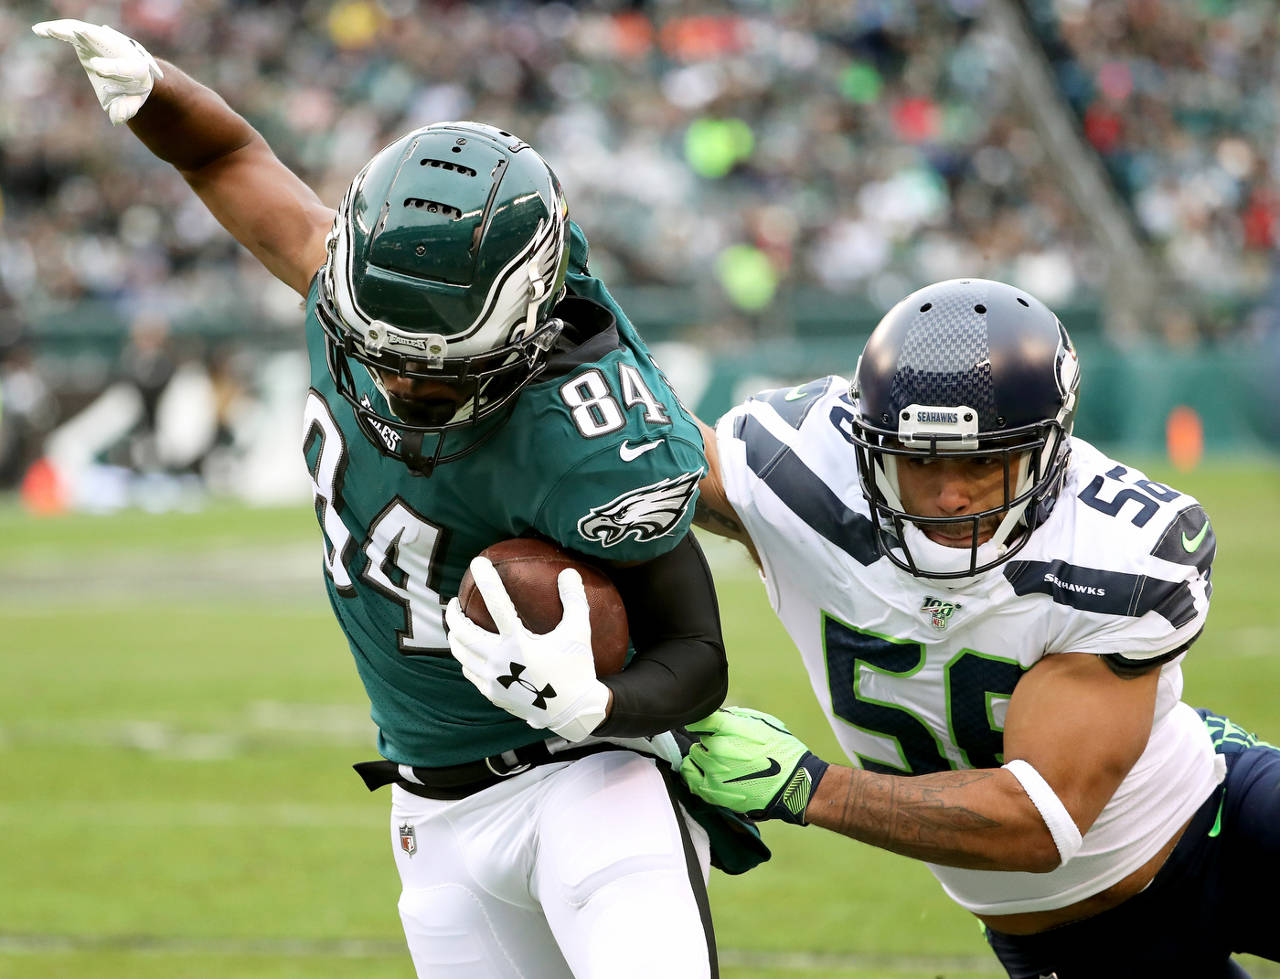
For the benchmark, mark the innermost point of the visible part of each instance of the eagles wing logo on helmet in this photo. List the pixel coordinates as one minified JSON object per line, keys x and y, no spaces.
{"x":646,"y":513}
{"x":446,"y":259}
{"x":526,"y":281}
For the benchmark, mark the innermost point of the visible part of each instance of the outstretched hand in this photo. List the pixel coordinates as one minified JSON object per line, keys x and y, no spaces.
{"x":120,"y":69}
{"x":748,"y":761}
{"x":548,"y":681}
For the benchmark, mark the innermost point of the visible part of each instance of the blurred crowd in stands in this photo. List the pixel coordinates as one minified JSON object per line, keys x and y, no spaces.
{"x":740,"y":151}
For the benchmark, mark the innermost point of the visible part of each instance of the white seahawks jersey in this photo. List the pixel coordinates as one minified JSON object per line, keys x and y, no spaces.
{"x":915,"y":675}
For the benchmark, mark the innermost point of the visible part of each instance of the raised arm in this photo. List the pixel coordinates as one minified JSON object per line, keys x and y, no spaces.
{"x":264,"y":205}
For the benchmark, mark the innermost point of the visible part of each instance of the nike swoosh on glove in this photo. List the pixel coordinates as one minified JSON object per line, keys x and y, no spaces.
{"x":748,"y":761}
{"x":120,"y":69}
{"x":548,"y":681}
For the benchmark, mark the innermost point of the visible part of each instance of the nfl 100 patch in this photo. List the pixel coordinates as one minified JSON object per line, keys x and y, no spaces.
{"x":940,"y":611}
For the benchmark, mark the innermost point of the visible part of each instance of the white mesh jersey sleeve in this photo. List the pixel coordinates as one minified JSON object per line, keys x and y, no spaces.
{"x":781,"y":437}
{"x":1123,"y":564}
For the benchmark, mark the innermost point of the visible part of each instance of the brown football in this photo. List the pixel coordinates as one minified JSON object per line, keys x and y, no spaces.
{"x":529,"y":569}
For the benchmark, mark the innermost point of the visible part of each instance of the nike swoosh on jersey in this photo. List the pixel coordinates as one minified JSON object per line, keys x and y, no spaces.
{"x":795,"y":394}
{"x":1190,"y":545}
{"x":632,"y":452}
{"x":773,"y":769}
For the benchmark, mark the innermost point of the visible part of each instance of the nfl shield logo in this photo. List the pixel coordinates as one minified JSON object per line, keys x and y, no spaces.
{"x":939,"y":611}
{"x":408,"y":839}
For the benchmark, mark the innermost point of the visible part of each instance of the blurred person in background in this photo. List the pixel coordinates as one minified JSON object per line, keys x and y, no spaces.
{"x":27,"y":412}
{"x":143,"y":439}
{"x":27,"y":405}
{"x":148,"y":365}
{"x":993,"y":616}
{"x":471,"y":382}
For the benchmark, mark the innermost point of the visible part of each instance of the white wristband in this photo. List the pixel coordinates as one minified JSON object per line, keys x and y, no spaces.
{"x":1066,"y":836}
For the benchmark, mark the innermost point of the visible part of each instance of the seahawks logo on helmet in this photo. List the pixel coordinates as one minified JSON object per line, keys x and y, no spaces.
{"x":646,"y":513}
{"x":1067,"y":369}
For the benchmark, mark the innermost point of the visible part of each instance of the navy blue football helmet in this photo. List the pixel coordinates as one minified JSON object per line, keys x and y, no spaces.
{"x":965,"y":368}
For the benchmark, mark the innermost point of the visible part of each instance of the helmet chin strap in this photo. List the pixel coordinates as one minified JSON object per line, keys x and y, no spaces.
{"x":930,"y":556}
{"x":537,"y":290}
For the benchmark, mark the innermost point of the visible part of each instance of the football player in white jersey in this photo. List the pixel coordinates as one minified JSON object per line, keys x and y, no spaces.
{"x":993,"y":616}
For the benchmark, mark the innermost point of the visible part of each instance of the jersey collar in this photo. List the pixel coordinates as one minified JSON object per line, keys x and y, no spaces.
{"x":590,"y":334}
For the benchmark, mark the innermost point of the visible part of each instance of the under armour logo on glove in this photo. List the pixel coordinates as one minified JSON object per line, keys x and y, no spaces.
{"x":496,"y":662}
{"x":540,"y":697}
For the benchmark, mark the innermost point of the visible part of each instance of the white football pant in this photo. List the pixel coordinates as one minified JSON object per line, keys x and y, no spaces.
{"x":571,"y":870}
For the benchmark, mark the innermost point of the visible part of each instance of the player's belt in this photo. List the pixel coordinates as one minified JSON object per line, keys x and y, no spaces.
{"x":460,"y":781}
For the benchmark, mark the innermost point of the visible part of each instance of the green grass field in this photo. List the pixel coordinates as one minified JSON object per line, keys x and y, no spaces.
{"x":178,"y":713}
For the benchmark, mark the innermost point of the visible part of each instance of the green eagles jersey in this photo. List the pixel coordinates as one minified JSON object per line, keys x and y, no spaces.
{"x":597,"y":455}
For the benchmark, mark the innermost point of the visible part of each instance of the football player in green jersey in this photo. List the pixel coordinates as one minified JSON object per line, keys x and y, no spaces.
{"x":472,"y":382}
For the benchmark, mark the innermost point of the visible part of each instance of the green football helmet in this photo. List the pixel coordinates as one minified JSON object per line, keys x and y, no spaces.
{"x":446,"y":258}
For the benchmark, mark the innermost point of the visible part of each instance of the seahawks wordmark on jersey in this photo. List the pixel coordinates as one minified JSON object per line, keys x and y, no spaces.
{"x":915,"y":675}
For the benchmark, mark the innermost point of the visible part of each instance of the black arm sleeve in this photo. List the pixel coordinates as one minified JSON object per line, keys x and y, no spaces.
{"x":679,"y":672}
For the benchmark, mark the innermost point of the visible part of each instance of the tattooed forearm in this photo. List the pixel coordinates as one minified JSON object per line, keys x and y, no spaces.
{"x":911,"y":816}
{"x":717,"y":521}
{"x":962,"y":819}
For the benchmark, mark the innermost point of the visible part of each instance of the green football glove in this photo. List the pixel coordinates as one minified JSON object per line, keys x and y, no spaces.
{"x":749,"y":762}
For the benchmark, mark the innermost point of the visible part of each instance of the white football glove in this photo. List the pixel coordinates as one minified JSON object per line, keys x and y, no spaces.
{"x":547,"y":681}
{"x":120,"y":69}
